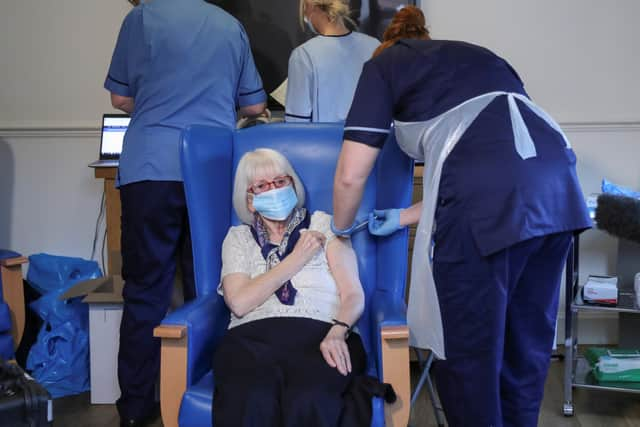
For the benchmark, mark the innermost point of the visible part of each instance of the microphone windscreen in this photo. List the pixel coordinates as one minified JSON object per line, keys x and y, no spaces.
{"x":619,"y":216}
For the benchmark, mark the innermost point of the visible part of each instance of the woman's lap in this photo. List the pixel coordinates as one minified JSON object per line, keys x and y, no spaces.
{"x":272,"y":369}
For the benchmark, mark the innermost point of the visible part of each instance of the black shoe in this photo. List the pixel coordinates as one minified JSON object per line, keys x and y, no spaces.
{"x":137,"y":422}
{"x":132,"y":422}
{"x":141,"y":422}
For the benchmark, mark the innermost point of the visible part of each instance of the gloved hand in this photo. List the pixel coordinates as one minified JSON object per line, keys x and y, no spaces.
{"x":384,"y":222}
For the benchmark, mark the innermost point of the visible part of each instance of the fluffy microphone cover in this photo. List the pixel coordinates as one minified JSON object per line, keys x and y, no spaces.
{"x":619,"y":216}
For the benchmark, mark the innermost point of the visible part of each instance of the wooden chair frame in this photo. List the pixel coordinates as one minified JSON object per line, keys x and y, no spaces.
{"x":173,"y":372}
{"x":13,"y":294}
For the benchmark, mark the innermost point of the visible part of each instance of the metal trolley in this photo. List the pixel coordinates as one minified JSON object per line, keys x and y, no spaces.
{"x":577,"y":371}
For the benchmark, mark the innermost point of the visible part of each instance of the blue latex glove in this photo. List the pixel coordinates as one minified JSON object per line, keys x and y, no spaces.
{"x":384,"y":222}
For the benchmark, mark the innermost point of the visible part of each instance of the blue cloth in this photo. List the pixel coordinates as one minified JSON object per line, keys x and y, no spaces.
{"x":158,"y":214}
{"x":417,"y":80}
{"x":498,"y":317}
{"x":509,"y":199}
{"x":184,"y":62}
{"x":323,"y":73}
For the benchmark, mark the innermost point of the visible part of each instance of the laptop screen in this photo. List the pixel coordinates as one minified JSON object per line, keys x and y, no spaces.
{"x":113,"y":129}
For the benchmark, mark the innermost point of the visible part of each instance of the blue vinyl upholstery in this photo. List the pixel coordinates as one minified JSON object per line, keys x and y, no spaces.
{"x":209,"y":157}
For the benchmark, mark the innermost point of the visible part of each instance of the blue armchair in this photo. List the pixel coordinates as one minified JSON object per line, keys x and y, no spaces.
{"x":190,"y":334}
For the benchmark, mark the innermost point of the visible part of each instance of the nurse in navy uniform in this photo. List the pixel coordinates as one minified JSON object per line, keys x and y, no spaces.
{"x":501,"y":202}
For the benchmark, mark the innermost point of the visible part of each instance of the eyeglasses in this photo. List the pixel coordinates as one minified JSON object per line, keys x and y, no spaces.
{"x":277,"y":182}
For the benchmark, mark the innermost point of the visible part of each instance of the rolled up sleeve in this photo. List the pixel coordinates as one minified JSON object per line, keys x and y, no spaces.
{"x":117,"y":80}
{"x":250,"y":90}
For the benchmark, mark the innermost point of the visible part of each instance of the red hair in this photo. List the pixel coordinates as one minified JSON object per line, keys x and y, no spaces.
{"x":407,"y":23}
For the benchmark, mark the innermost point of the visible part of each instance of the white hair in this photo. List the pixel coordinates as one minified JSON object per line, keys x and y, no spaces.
{"x":253,"y":163}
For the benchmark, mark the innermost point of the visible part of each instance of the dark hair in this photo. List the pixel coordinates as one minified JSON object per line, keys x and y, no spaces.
{"x":407,"y":23}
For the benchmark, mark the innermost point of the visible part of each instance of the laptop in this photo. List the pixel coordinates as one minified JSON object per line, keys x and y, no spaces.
{"x":114,"y":127}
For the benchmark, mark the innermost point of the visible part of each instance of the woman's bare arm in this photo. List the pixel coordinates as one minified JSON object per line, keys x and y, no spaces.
{"x":344,"y":268}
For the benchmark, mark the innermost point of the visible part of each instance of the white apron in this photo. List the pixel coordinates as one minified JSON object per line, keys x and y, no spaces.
{"x":431,"y":141}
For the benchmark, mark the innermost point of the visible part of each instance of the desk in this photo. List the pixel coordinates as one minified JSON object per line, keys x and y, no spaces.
{"x":112,"y":207}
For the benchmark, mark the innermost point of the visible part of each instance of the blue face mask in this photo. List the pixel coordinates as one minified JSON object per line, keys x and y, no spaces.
{"x":276,"y":204}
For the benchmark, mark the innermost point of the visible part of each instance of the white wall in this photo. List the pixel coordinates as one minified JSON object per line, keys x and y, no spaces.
{"x":55,"y":56}
{"x":579,"y":59}
{"x":50,"y":199}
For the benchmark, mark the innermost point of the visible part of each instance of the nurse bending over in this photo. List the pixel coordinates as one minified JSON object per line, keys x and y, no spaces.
{"x":501,"y":202}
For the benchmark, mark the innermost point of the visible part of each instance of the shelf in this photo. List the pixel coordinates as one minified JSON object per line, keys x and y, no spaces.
{"x":626,"y":304}
{"x":584,"y":378}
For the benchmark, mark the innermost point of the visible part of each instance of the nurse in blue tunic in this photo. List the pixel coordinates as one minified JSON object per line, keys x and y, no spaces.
{"x":500,"y":204}
{"x":175,"y":63}
{"x":324,"y":71}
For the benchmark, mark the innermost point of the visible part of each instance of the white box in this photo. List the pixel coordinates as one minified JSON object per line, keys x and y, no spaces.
{"x":104,"y":339}
{"x":104,"y":296}
{"x":601,"y":289}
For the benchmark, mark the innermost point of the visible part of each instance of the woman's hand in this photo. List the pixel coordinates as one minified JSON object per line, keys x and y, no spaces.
{"x":308,"y":245}
{"x":335,"y":351}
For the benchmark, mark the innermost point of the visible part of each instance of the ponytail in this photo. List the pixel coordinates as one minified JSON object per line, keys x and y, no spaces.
{"x":336,"y":10}
{"x":408,"y":23}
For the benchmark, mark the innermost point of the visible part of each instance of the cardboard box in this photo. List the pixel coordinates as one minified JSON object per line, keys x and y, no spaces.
{"x":104,"y":296}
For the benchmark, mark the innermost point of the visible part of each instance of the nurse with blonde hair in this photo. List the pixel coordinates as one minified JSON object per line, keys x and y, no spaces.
{"x":324,"y":71}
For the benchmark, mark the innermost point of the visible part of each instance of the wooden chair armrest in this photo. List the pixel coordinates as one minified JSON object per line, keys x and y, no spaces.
{"x":173,"y":371}
{"x":9,"y":262}
{"x":170,"y":331}
{"x":395,"y":371}
{"x":13,"y":294}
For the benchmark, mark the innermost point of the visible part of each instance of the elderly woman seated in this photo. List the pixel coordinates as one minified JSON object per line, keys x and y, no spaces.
{"x":294,"y":294}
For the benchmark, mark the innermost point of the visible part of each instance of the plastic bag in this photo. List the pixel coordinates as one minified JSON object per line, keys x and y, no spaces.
{"x":53,"y":273}
{"x":59,"y":359}
{"x":56,"y":312}
{"x":611,"y":188}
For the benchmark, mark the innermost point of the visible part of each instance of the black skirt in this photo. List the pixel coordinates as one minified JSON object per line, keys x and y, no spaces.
{"x":271,"y":373}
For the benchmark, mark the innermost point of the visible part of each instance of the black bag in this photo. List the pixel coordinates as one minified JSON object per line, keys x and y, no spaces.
{"x":23,"y":402}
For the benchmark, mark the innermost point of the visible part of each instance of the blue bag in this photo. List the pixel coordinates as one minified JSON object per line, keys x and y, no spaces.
{"x":611,"y":188}
{"x":59,"y":359}
{"x":52,"y":273}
